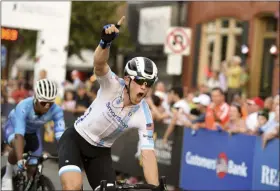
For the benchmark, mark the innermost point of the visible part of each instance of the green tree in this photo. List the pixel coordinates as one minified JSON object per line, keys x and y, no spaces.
{"x":87,"y":20}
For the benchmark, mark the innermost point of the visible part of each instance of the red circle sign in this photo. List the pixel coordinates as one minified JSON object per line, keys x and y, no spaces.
{"x":177,"y":36}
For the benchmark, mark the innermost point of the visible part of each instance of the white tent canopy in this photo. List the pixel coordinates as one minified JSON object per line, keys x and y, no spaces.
{"x":86,"y":62}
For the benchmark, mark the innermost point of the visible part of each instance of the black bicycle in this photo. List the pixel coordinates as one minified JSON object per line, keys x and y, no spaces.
{"x":38,"y":182}
{"x":122,"y":186}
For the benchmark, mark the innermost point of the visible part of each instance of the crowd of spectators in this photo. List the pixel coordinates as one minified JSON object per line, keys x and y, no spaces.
{"x":220,"y":103}
{"x":77,"y":97}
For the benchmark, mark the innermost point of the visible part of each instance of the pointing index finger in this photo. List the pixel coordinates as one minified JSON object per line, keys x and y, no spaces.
{"x":121,"y":20}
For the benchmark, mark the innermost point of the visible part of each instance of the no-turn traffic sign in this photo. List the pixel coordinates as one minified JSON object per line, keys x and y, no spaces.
{"x":178,"y":41}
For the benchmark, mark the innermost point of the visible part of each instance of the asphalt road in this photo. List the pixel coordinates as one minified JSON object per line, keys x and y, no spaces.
{"x":51,"y":170}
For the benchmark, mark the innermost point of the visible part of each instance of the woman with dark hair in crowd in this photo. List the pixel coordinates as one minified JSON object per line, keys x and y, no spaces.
{"x":236,"y":124}
{"x":155,"y":104}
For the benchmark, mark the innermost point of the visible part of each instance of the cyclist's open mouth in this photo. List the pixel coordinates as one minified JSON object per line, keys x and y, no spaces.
{"x":140,"y":95}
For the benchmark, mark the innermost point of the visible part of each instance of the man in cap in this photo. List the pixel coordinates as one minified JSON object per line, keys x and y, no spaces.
{"x":254,"y":105}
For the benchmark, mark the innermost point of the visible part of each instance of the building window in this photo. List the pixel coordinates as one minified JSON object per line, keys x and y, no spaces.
{"x":268,"y":38}
{"x":222,"y":41}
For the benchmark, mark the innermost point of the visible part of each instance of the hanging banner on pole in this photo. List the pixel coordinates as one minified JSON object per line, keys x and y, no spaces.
{"x":178,"y":40}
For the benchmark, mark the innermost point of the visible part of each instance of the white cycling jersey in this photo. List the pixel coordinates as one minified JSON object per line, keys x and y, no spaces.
{"x":106,"y":118}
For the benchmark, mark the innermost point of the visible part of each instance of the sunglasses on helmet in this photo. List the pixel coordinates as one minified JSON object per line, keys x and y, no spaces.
{"x":140,"y":81}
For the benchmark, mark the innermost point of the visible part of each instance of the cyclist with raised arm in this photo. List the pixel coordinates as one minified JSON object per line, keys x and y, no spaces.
{"x":22,"y":129}
{"x":119,"y":105}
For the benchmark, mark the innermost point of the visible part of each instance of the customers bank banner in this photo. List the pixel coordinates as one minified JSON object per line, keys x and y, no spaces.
{"x":216,"y":160}
{"x":266,"y":166}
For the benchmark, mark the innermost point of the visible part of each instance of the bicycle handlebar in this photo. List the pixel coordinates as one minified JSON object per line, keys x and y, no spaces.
{"x":42,"y":157}
{"x":125,"y":186}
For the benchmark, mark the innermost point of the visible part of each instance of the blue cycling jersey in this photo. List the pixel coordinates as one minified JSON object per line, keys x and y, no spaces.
{"x":24,"y":119}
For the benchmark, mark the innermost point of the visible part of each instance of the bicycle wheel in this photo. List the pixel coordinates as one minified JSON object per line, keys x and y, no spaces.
{"x":45,"y":184}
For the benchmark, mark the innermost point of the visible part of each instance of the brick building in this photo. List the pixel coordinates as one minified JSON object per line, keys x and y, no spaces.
{"x":219,"y":31}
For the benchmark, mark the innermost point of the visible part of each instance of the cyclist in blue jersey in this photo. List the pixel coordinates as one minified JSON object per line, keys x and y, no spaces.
{"x":22,"y":129}
{"x":119,"y":106}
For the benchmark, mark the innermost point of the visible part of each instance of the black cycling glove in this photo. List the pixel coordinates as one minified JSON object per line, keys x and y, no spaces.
{"x":106,"y":39}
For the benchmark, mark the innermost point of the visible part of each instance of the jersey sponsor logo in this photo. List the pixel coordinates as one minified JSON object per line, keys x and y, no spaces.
{"x":148,"y":136}
{"x":115,"y":116}
{"x":222,"y":165}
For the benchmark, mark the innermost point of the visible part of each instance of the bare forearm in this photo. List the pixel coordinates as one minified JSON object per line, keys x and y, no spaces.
{"x":150,"y":167}
{"x":168,"y":131}
{"x":19,"y":144}
{"x":170,"y":128}
{"x":101,"y":56}
{"x":271,"y":135}
{"x":158,"y":114}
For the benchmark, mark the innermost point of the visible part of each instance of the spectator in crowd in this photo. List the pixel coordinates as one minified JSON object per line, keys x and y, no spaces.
{"x":213,"y":82}
{"x":274,"y":105}
{"x":217,"y":114}
{"x":4,"y":96}
{"x":189,"y":99}
{"x":43,"y":74}
{"x":76,"y":79}
{"x":155,"y":104}
{"x":82,"y":100}
{"x":233,"y":77}
{"x":268,"y":104}
{"x":236,"y":123}
{"x":93,"y":91}
{"x":253,"y":107}
{"x":179,"y":110}
{"x":180,"y":106}
{"x":69,"y":104}
{"x":19,"y":93}
{"x":271,"y":129}
{"x":160,"y":86}
{"x":203,"y":89}
{"x":223,"y":77}
{"x":11,"y":86}
{"x":269,"y":136}
{"x":268,"y":126}
{"x":239,"y":100}
{"x":244,"y":81}
{"x":92,"y":87}
{"x":160,"y":90}
{"x":262,"y":120}
{"x":202,"y":102}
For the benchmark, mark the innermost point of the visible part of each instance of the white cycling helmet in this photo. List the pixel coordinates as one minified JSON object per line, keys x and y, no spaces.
{"x":45,"y":90}
{"x":141,"y":67}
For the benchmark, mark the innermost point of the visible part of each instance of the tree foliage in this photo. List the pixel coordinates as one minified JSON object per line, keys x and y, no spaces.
{"x":87,"y":20}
